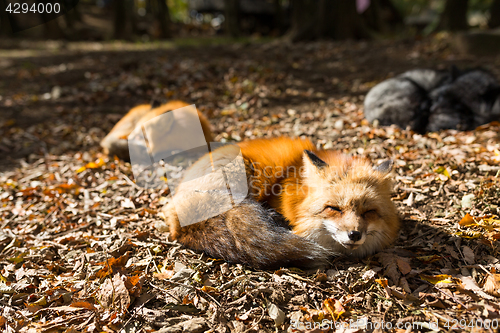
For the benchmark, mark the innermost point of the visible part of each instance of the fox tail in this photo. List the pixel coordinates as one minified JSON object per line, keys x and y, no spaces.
{"x":249,"y":234}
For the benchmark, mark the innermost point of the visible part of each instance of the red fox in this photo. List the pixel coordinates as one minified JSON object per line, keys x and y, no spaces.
{"x":303,"y":206}
{"x":115,"y":143}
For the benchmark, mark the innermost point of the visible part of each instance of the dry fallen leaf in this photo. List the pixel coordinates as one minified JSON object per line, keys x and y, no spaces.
{"x":384,"y":283}
{"x":389,"y":261}
{"x":113,"y":294}
{"x":435,"y":279}
{"x":61,"y":221}
{"x":83,"y":304}
{"x":437,"y":303}
{"x":127,"y":203}
{"x":492,"y":284}
{"x":334,"y":307}
{"x":466,"y":220}
{"x":276,"y":314}
{"x":167,"y":274}
{"x":468,"y":283}
{"x":403,"y":265}
{"x":469,"y":255}
{"x":92,"y":165}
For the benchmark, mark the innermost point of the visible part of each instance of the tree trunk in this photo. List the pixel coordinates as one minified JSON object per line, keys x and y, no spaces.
{"x":122,"y":26}
{"x":494,"y":21}
{"x":163,"y":17}
{"x":337,"y":19}
{"x":5,"y":24}
{"x":232,"y":13}
{"x":278,"y":16}
{"x":454,"y":16}
{"x":303,"y":20}
{"x":52,"y":28}
{"x":72,"y":16}
{"x":383,"y":16}
{"x":343,"y":20}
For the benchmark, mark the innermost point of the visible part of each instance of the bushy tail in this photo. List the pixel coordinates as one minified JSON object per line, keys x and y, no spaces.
{"x":252,"y":235}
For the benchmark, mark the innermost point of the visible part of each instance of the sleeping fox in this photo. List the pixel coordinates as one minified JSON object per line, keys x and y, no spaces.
{"x":116,"y":143}
{"x":303,"y":205}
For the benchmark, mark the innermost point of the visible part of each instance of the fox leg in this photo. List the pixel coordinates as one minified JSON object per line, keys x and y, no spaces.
{"x":249,"y":234}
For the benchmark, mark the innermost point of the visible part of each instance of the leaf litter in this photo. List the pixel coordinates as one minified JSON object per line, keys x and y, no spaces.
{"x":79,"y":250}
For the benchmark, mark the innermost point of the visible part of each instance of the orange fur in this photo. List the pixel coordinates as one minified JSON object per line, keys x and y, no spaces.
{"x":115,"y":143}
{"x":301,"y":207}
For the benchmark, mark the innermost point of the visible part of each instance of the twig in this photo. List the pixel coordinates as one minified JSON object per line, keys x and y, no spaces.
{"x":444,"y":293}
{"x":128,"y":180}
{"x":151,"y":260}
{"x":63,"y":233}
{"x":410,"y":189}
{"x":166,"y":292}
{"x":487,"y":271}
{"x":134,"y":314}
{"x":256,"y":323}
{"x":196,"y":289}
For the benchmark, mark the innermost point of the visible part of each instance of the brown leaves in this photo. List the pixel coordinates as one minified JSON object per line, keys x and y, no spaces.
{"x":114,"y":294}
{"x":469,"y":256}
{"x":83,"y":304}
{"x":492,"y":284}
{"x":334,"y":307}
{"x":332,"y":312}
{"x":134,"y":285}
{"x":74,"y":225}
{"x":276,"y":314}
{"x":394,"y":265}
{"x":403,"y":265}
{"x":195,"y":325}
{"x":467,"y":220}
{"x":384,"y":283}
{"x":435,"y":279}
{"x":92,"y":165}
{"x":485,"y":226}
{"x":111,"y":265}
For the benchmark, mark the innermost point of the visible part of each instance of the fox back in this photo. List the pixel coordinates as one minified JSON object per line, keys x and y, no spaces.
{"x":115,"y":143}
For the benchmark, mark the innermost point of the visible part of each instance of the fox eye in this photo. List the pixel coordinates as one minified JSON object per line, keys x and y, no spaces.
{"x":333,"y":209}
{"x":370,"y":212}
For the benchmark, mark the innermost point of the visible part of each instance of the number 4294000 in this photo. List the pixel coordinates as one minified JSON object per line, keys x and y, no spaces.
{"x":23,"y":8}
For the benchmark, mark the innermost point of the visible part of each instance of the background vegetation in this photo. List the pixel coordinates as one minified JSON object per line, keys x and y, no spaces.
{"x":144,"y":20}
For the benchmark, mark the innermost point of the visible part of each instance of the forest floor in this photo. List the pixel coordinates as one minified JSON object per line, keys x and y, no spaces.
{"x":78,"y":246}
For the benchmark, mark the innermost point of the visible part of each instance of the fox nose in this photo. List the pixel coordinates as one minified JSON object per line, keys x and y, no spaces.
{"x":354,"y":236}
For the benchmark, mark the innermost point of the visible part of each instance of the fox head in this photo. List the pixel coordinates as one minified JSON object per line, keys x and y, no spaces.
{"x":345,"y":204}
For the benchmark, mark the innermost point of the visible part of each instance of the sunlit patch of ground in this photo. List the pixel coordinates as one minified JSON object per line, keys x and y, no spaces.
{"x":78,"y":244}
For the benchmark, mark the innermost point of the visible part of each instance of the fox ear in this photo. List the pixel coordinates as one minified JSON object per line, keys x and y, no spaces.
{"x":385,"y":167}
{"x":313,"y":159}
